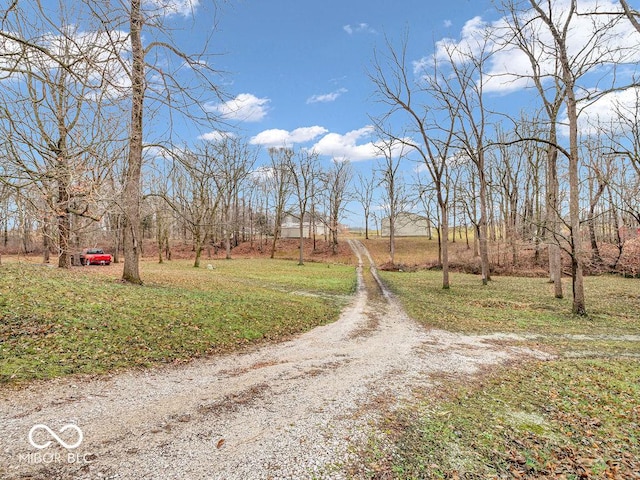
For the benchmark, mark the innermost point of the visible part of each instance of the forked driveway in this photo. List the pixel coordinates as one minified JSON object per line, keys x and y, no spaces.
{"x":289,"y":410}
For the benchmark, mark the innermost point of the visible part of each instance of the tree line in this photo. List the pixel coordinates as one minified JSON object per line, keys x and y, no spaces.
{"x":79,"y":161}
{"x":550,"y":173}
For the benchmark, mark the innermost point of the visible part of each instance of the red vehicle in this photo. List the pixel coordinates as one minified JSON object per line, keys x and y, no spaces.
{"x":95,"y":256}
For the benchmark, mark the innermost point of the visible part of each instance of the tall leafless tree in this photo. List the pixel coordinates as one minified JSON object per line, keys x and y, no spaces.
{"x":462,"y":92}
{"x":280,"y":180}
{"x":419,"y":102}
{"x":364,"y":191}
{"x":304,"y":177}
{"x":572,"y":66}
{"x":394,"y":192}
{"x":337,"y":181}
{"x":151,"y":70}
{"x":233,"y":159}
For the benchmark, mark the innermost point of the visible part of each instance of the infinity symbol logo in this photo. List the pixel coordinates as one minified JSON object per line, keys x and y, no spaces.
{"x":69,"y":426}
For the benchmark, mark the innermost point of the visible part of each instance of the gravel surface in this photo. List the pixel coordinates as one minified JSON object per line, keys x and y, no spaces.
{"x":293,"y":410}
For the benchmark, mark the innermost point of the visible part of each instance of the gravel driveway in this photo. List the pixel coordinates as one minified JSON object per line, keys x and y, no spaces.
{"x":292,"y":410}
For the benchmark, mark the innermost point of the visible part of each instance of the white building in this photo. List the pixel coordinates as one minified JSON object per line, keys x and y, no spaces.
{"x":408,"y":225}
{"x":290,"y":227}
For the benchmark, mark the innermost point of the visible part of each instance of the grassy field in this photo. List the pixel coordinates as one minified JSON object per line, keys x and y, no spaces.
{"x":409,"y":251}
{"x":572,"y":419}
{"x":85,"y":321}
{"x":575,"y":417}
{"x":516,"y":304}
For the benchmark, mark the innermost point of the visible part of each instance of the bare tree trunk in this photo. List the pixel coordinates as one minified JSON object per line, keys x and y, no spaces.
{"x":198,"y":248}
{"x":117,"y":237}
{"x":64,"y":220}
{"x":159,"y":236}
{"x":579,"y":305}
{"x":301,"y":256}
{"x":595,"y":198}
{"x":616,"y":234}
{"x":392,"y":238}
{"x":131,"y":193}
{"x":553,"y":191}
{"x":445,"y":240}
{"x":482,"y":230}
{"x":46,"y":240}
{"x":227,"y":235}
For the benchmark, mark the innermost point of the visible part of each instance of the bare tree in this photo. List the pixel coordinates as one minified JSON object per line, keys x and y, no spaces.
{"x":233,"y":159}
{"x":397,"y":89}
{"x":337,"y":180}
{"x":59,"y":125}
{"x":363,"y":192}
{"x":131,"y":193}
{"x":462,"y":92}
{"x":546,"y":34}
{"x":594,"y":54}
{"x":394,"y":193}
{"x":280,"y":179}
{"x":552,"y":94}
{"x":304,"y":175}
{"x":153,"y":72}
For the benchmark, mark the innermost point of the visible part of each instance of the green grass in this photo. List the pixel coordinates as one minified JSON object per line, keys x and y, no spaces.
{"x":312,"y":277}
{"x":57,"y":323}
{"x":574,"y":417}
{"x":515,"y":304}
{"x":567,"y":419}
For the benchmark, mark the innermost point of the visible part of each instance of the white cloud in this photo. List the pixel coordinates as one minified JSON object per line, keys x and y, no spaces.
{"x":185,"y":8}
{"x":508,"y":67}
{"x":262,"y":175}
{"x":605,"y":113}
{"x":326,"y":97}
{"x":280,"y":138}
{"x":245,"y":108}
{"x":346,"y":147}
{"x":447,"y":24}
{"x":96,"y":58}
{"x":335,"y":145}
{"x":359,"y":28}
{"x":216,"y":136}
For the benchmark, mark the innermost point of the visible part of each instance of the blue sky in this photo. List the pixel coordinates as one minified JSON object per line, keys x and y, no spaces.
{"x":299,"y":69}
{"x":296,"y":71}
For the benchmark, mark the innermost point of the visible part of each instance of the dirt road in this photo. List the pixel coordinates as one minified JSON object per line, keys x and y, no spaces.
{"x":290,"y":410}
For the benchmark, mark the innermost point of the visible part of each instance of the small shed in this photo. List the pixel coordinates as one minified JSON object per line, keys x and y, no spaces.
{"x":290,"y":227}
{"x":408,"y":224}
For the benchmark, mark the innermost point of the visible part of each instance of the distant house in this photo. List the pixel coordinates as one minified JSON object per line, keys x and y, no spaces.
{"x":290,"y":227}
{"x":408,"y":225}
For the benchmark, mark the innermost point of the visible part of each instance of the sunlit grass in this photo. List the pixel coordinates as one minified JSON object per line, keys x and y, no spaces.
{"x":517,"y":304}
{"x":565,"y":419}
{"x":408,"y":251}
{"x":57,"y":322}
{"x":574,"y":417}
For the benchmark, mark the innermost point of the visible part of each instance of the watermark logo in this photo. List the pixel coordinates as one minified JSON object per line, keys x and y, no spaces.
{"x":64,"y":437}
{"x":69,"y":446}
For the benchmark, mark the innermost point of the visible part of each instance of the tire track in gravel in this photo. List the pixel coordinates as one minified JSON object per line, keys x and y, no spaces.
{"x":291,"y":410}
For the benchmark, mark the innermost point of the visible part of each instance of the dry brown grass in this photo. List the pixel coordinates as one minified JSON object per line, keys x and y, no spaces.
{"x":410,"y":251}
{"x":419,"y":253}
